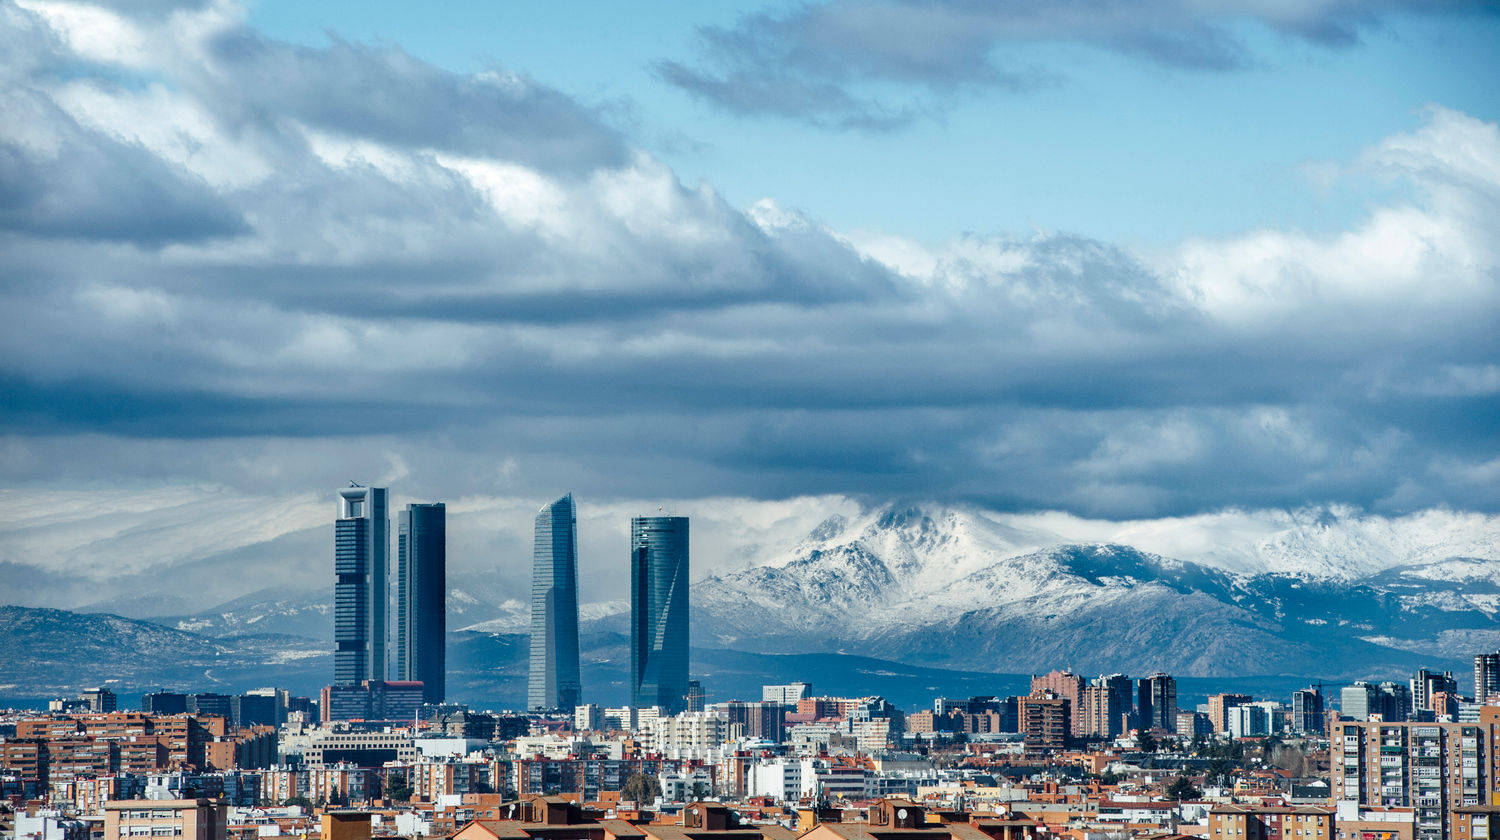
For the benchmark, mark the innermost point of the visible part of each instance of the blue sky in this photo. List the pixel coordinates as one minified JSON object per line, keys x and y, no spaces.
{"x":1116,"y":260}
{"x":1108,"y":146}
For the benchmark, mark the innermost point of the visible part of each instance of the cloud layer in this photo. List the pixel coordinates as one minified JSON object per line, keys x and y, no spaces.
{"x":278,"y":268}
{"x":878,"y":64}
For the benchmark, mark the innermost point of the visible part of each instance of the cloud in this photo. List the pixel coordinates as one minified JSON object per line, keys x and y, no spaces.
{"x":875,"y":65}
{"x":276,"y":287}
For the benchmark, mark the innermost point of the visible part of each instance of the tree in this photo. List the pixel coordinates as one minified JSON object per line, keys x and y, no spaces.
{"x":1182,"y":788}
{"x":399,"y":792}
{"x":641,"y":788}
{"x":700,"y":790}
{"x":1147,"y":743}
{"x":299,"y":801}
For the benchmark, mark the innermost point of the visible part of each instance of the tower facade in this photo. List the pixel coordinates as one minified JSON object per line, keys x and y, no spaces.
{"x":1156,"y":702}
{"x":1486,"y":675}
{"x":554,"y":681}
{"x":659,"y":612}
{"x":421,"y":589}
{"x":361,"y":563}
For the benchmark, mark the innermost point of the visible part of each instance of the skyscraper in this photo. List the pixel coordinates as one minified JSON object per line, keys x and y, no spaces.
{"x":421,"y":587}
{"x":361,"y":560}
{"x":1486,"y":675}
{"x":1156,"y":702}
{"x":1307,"y":711}
{"x":659,"y":612}
{"x":554,"y":682}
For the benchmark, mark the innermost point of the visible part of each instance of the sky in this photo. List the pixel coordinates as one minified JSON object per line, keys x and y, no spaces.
{"x":1121,"y":262}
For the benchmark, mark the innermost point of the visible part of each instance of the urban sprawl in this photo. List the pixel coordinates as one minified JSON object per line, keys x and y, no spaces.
{"x":382,"y":753}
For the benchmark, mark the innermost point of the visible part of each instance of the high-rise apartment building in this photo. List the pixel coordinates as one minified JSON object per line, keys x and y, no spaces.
{"x":1156,"y":702}
{"x":1432,"y":768}
{"x":1307,"y":711}
{"x":1218,"y":709}
{"x":659,"y":612}
{"x":787,"y":695}
{"x":1068,"y":686}
{"x":554,"y":682}
{"x":421,"y":598}
{"x":1102,"y":710}
{"x":1390,"y":700}
{"x":361,"y":561}
{"x":1044,"y":721}
{"x":1486,"y":676}
{"x":1427,"y":683}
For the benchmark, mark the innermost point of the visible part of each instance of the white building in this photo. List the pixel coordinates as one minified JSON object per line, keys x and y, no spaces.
{"x":785,"y":779}
{"x":686,"y":787}
{"x":689,"y":735}
{"x":786,"y":695}
{"x":588,"y":717}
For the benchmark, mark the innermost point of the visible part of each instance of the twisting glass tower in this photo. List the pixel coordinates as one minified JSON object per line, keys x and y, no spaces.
{"x":659,"y":612}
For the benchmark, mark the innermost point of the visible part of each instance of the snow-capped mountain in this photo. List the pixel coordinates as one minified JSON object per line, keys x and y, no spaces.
{"x":1320,"y":592}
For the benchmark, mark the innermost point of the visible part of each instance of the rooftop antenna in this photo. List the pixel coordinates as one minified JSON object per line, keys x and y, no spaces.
{"x":355,"y":484}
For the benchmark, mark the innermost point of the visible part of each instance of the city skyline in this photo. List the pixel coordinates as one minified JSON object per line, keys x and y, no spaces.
{"x":1097,"y":297}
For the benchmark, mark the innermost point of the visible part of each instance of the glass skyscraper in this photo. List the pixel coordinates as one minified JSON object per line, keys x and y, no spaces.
{"x":361,"y":560}
{"x":421,"y":585}
{"x":659,"y":612}
{"x":554,"y":682}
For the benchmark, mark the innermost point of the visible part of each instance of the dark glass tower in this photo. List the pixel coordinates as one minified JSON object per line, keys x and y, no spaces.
{"x":554,"y":682}
{"x":421,"y":584}
{"x":361,"y":559}
{"x":659,"y":612}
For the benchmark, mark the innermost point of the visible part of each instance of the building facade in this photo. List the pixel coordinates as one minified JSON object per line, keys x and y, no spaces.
{"x":1156,"y":702}
{"x":421,"y":589}
{"x":361,"y":539}
{"x":554,"y":681}
{"x":659,"y":612}
{"x":1432,"y":768}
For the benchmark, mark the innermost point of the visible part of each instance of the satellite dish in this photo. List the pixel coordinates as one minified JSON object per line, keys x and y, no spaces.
{"x":901,"y":814}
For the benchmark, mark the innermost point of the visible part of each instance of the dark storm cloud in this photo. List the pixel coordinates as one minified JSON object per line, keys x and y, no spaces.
{"x":354,"y":258}
{"x":877,"y":64}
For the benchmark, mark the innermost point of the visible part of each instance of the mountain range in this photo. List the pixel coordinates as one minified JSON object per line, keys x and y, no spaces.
{"x":945,"y":590}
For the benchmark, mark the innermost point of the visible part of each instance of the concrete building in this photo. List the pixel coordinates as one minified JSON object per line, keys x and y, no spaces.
{"x":1426,"y":684}
{"x":361,"y":749}
{"x":1044,"y":722}
{"x":689,"y":735}
{"x":1218,"y":709}
{"x":786,"y":695}
{"x":1068,"y":686}
{"x":189,"y":819}
{"x":587,"y":717}
{"x":1273,"y":822}
{"x":1432,"y":768}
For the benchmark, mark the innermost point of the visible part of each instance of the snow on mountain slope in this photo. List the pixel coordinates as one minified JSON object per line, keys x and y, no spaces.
{"x":966,"y":588}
